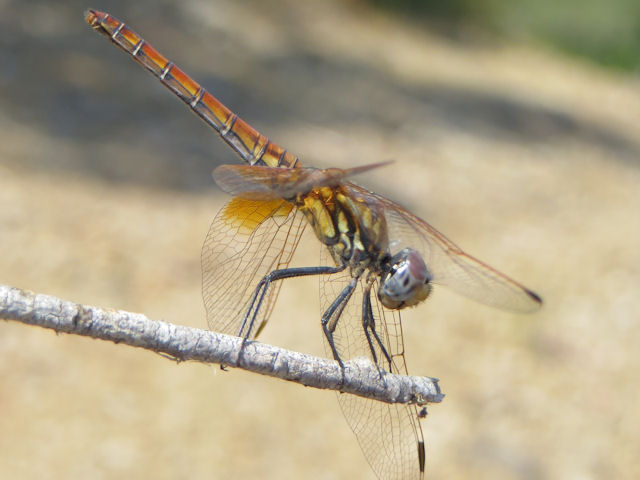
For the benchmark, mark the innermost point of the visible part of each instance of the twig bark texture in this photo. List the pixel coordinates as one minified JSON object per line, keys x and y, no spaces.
{"x":361,"y":377}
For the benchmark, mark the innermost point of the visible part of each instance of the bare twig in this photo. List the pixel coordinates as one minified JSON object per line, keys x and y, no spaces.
{"x":361,"y":377}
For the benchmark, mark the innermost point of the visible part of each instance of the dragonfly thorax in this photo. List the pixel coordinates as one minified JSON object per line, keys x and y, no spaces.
{"x":353,"y":229}
{"x":405,"y":281}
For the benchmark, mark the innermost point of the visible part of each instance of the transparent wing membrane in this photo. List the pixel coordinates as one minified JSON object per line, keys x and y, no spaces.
{"x":247,"y":240}
{"x":449,"y":264}
{"x":390,"y":435}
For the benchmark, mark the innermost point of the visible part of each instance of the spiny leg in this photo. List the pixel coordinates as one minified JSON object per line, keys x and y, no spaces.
{"x":331,"y":317}
{"x":369,"y":323}
{"x":261,"y":289}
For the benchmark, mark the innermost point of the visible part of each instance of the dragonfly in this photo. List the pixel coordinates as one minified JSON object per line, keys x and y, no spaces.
{"x":377,"y":259}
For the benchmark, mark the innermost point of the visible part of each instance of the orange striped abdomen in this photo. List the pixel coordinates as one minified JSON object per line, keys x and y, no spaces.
{"x":253,"y":147}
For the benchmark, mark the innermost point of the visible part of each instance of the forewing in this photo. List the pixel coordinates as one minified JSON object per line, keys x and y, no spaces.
{"x":247,"y":240}
{"x":260,"y":182}
{"x":449,"y":265}
{"x":389,"y":434}
{"x":251,"y":181}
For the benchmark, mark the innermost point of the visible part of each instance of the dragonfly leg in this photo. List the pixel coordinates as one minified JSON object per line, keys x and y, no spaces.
{"x":259,"y":294}
{"x":367,"y":320}
{"x":369,"y":325}
{"x":332,"y":315}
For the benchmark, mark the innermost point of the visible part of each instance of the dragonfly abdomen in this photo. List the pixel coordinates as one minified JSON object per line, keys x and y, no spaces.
{"x":253,"y":147}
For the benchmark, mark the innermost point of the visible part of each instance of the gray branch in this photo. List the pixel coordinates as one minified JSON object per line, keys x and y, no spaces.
{"x":361,"y":377}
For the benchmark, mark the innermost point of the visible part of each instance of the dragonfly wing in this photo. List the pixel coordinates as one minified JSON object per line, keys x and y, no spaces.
{"x":261,"y":182}
{"x":389,"y":434}
{"x":250,"y":181}
{"x":247,"y":240}
{"x":449,"y":265}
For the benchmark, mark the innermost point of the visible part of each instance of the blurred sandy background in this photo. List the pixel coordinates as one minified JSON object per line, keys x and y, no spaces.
{"x":526,"y":158}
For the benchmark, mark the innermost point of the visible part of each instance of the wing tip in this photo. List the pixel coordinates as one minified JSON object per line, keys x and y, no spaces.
{"x":537,"y":300}
{"x":421,"y":458}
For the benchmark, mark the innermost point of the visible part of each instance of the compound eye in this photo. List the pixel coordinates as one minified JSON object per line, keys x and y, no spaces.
{"x":406,"y":282}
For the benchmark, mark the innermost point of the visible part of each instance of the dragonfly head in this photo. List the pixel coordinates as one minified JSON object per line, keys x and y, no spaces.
{"x":405,"y":281}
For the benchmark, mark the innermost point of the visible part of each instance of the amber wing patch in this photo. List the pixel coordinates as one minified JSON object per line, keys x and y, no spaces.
{"x":246,"y":214}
